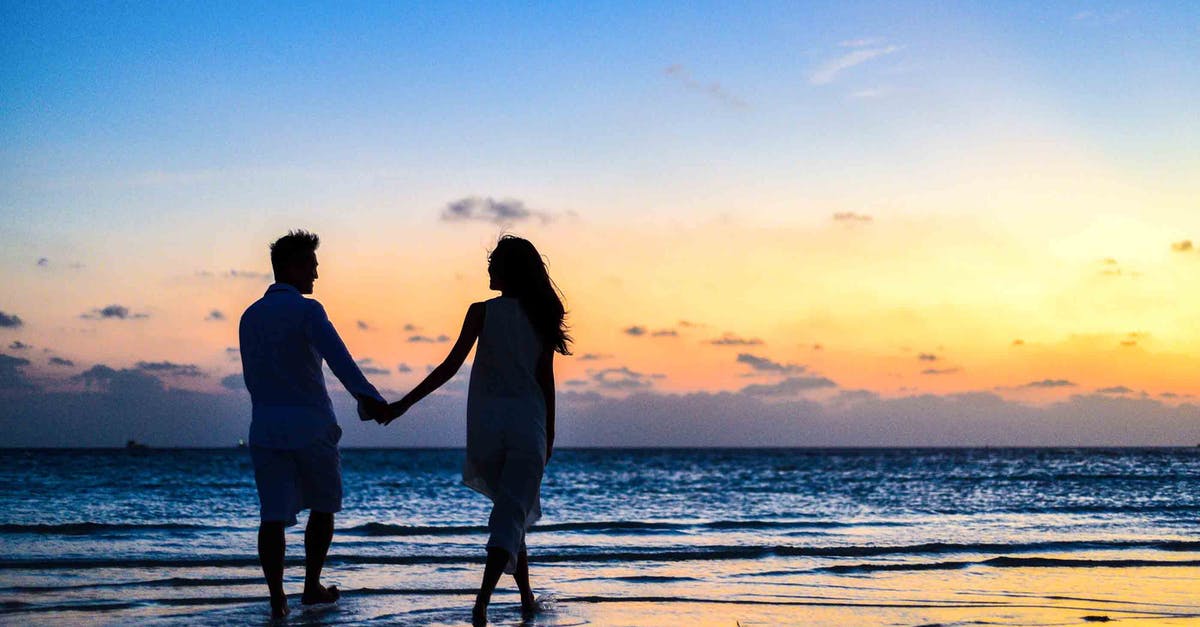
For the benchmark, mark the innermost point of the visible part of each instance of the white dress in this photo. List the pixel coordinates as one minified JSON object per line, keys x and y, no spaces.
{"x":506,"y":424}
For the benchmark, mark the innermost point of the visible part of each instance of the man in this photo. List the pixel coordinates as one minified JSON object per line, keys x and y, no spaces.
{"x":293,"y":431}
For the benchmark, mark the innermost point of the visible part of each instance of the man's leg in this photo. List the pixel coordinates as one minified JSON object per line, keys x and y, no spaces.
{"x":318,"y":535}
{"x":271,"y":547}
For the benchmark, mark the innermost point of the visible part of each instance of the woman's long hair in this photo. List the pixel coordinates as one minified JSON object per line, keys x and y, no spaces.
{"x":519,"y":270}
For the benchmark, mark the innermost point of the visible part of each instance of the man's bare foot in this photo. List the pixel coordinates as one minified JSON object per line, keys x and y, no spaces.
{"x":479,"y":615}
{"x":279,"y":608}
{"x":319,"y":595}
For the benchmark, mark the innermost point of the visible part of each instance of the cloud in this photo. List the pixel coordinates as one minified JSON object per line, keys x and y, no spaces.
{"x":713,"y":90}
{"x":171,"y":369}
{"x":11,"y":375}
{"x":418,"y":339}
{"x":410,"y":327}
{"x":1185,"y":246}
{"x":235,"y":382}
{"x":1120,"y":389}
{"x":1050,"y":383}
{"x":18,"y":345}
{"x":622,"y":379}
{"x":113,"y":312}
{"x":790,"y":386}
{"x":215,"y":316}
{"x":403,"y":368}
{"x":828,"y":72}
{"x":42,"y":262}
{"x":1018,"y":342}
{"x":594,"y":356}
{"x":125,"y":380}
{"x":762,"y":364}
{"x":850,"y":217}
{"x":59,"y":361}
{"x":940,"y":371}
{"x":927,"y":357}
{"x":252,"y":275}
{"x":363,"y":326}
{"x":871,"y":93}
{"x":730,"y":339}
{"x":665,"y":333}
{"x":10,"y":321}
{"x":501,"y":212}
{"x":687,"y":324}
{"x":367,"y":366}
{"x":635,"y":331}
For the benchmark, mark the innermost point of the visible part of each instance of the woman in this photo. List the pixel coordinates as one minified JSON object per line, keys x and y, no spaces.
{"x":510,"y":405}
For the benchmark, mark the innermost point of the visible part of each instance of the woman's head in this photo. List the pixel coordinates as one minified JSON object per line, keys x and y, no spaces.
{"x":516,"y":269}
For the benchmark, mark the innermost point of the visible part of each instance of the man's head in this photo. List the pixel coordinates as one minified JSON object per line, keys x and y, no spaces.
{"x":294,"y":260}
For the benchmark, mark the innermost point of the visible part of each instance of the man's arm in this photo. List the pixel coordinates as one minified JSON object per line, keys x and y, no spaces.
{"x":329,"y":345}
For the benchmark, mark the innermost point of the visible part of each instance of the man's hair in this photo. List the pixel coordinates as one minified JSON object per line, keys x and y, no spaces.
{"x":291,"y":246}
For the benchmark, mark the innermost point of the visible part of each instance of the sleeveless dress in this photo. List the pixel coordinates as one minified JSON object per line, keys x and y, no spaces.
{"x":506,"y":424}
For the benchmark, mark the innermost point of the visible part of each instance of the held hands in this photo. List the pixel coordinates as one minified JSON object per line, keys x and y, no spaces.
{"x":372,"y":409}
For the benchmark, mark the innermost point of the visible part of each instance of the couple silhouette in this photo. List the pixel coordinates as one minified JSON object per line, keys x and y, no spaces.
{"x":294,"y":434}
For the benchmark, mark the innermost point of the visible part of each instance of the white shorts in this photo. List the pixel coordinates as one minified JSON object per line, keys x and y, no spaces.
{"x":291,"y":480}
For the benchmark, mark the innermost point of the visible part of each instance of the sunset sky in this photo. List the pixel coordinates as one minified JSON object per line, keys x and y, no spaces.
{"x":939,"y":222}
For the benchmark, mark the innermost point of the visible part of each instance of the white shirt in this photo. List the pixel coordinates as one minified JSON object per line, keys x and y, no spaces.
{"x":284,"y":337}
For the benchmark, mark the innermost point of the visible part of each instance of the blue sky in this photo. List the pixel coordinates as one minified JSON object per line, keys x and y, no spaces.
{"x":883,"y":180}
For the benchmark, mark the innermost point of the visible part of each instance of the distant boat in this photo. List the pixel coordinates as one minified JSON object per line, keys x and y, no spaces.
{"x":134,"y":444}
{"x":241,"y":443}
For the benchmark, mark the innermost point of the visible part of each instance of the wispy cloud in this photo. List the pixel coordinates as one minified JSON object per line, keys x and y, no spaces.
{"x":829,"y":71}
{"x":170,"y":368}
{"x":594,"y":356}
{"x":488,"y":209}
{"x":713,"y":90}
{"x":623,"y":379}
{"x":18,"y":345}
{"x":850,"y":217}
{"x":729,"y":339}
{"x":1050,"y":383}
{"x":1185,"y":246}
{"x":763,"y":364}
{"x":59,"y":361}
{"x":113,"y":312}
{"x":215,"y":316}
{"x":425,"y":339}
{"x":368,"y":366}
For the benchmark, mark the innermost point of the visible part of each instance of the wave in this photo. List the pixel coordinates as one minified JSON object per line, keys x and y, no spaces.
{"x":86,"y":528}
{"x":1010,"y":562}
{"x":648,"y":554}
{"x":615,"y":526}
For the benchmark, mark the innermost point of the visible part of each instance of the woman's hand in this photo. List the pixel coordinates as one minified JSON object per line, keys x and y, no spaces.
{"x":397,"y":409}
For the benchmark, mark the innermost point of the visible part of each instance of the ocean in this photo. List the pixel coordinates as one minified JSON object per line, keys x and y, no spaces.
{"x":629,"y":537}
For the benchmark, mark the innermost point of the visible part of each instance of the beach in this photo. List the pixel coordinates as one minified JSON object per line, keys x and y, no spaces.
{"x":629,"y":537}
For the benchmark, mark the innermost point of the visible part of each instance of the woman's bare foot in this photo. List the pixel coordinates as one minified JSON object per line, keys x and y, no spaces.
{"x":319,"y":595}
{"x":529,"y":605}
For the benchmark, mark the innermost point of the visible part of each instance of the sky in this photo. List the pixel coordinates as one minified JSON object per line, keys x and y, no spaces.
{"x":788,"y":224}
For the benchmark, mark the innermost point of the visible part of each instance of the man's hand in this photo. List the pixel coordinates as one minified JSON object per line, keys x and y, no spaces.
{"x":372,"y":409}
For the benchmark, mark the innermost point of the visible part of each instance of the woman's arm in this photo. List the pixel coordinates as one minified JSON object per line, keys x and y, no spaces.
{"x":545,"y":379}
{"x":472,"y":325}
